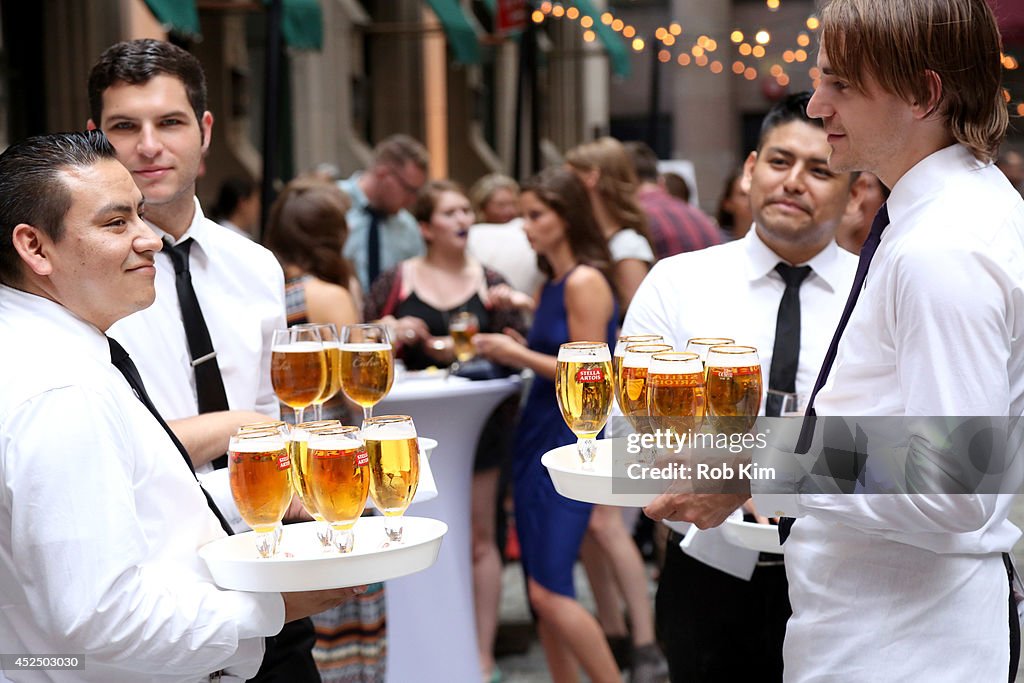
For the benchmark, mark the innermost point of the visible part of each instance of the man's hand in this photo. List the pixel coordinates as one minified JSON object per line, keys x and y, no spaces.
{"x":308,"y":603}
{"x":706,"y":510}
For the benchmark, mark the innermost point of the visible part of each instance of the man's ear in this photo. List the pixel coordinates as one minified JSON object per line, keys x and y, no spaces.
{"x":923,"y":110}
{"x":89,"y":125}
{"x":856,"y":198}
{"x":32,"y":245}
{"x":748,"y":172}
{"x":206,"y":127}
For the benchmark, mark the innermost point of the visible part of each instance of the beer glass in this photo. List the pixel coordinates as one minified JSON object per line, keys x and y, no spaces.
{"x":332,"y":352}
{"x":700,"y":345}
{"x":675,"y":391}
{"x":394,"y":455}
{"x":258,"y":465}
{"x":620,"y":352}
{"x":462,"y":327}
{"x":367,"y":364}
{"x":279,"y":425}
{"x":632,"y":387}
{"x":790,"y":404}
{"x":733,"y":388}
{"x":339,"y":480}
{"x":298,"y":368}
{"x":298,"y":451}
{"x":583,"y":387}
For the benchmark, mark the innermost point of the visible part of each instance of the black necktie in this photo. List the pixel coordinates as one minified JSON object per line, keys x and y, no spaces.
{"x":867,"y":252}
{"x":373,"y":247}
{"x":120,"y":359}
{"x":786,"y":352}
{"x":210,"y":393}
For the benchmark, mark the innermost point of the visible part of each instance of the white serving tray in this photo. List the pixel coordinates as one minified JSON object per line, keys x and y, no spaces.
{"x":302,"y":565}
{"x":762,"y":537}
{"x":590,"y":486}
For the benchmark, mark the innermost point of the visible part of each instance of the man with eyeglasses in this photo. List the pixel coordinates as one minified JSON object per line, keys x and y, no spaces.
{"x":382,"y":232}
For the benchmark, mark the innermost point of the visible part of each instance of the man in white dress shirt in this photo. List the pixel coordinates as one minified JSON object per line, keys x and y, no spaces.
{"x":149,"y":98}
{"x":911,"y":587}
{"x":100,"y":517}
{"x":726,"y":622}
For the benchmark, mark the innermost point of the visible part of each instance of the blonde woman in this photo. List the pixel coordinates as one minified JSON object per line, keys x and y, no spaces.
{"x":607,"y":171}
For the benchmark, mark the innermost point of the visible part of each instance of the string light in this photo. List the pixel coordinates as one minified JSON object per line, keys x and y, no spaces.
{"x":706,"y":44}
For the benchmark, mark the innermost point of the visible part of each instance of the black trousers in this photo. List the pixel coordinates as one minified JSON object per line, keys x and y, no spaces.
{"x":289,"y":655}
{"x":714,"y":627}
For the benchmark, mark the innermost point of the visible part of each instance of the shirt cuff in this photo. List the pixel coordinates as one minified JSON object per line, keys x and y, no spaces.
{"x":218,"y":486}
{"x":246,"y":661}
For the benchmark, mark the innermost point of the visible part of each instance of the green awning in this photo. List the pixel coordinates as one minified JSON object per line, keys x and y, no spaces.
{"x":302,"y":24}
{"x":176,"y":16}
{"x":618,"y":53}
{"x":458,"y":29}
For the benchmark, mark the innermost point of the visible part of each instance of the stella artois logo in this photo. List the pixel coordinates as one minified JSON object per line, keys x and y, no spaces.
{"x":723,"y":373}
{"x":283,"y":461}
{"x":361,"y":457}
{"x":586,"y":375}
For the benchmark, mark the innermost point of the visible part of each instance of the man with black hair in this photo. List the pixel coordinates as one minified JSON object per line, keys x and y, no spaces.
{"x":100,"y":515}
{"x":780,"y":288}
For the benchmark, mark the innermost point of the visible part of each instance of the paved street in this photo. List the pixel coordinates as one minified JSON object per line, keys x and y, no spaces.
{"x":531,"y":668}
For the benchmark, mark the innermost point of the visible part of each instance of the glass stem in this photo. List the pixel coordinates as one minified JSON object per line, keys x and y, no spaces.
{"x":318,"y":411}
{"x":367,"y":412}
{"x":299,"y":415}
{"x":393,"y":528}
{"x":586,"y":448}
{"x":344,"y":541}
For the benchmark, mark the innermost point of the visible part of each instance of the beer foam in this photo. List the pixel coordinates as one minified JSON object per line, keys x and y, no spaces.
{"x":335,"y":442}
{"x":265,"y":444}
{"x":675,"y":367}
{"x":365,"y":346}
{"x":733,"y":360}
{"x":392,"y":431}
{"x":298,"y":347}
{"x":637,"y":360}
{"x":571,"y":355}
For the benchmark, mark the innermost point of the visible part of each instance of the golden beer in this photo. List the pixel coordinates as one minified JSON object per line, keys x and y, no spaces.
{"x":632,"y":383}
{"x":733,"y":388}
{"x":583,"y":387}
{"x":339,"y":478}
{"x":332,"y":353}
{"x":258,"y":474}
{"x":620,"y":353}
{"x":394,"y":473}
{"x":676,"y":392}
{"x":298,"y":372}
{"x":367,"y":372}
{"x":462,"y":327}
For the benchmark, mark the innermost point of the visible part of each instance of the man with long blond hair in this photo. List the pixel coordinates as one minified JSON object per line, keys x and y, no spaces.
{"x":910,"y":587}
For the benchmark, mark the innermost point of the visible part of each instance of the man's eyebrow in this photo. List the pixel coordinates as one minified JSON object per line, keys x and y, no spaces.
{"x":119,"y":207}
{"x":793,"y":155}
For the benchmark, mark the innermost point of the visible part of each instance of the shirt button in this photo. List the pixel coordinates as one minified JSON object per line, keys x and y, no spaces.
{"x":780,"y":513}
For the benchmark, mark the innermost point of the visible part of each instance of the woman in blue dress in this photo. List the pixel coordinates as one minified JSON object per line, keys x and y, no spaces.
{"x":575,"y":304}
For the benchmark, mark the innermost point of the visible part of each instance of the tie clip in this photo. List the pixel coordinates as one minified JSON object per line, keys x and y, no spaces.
{"x":202,"y":359}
